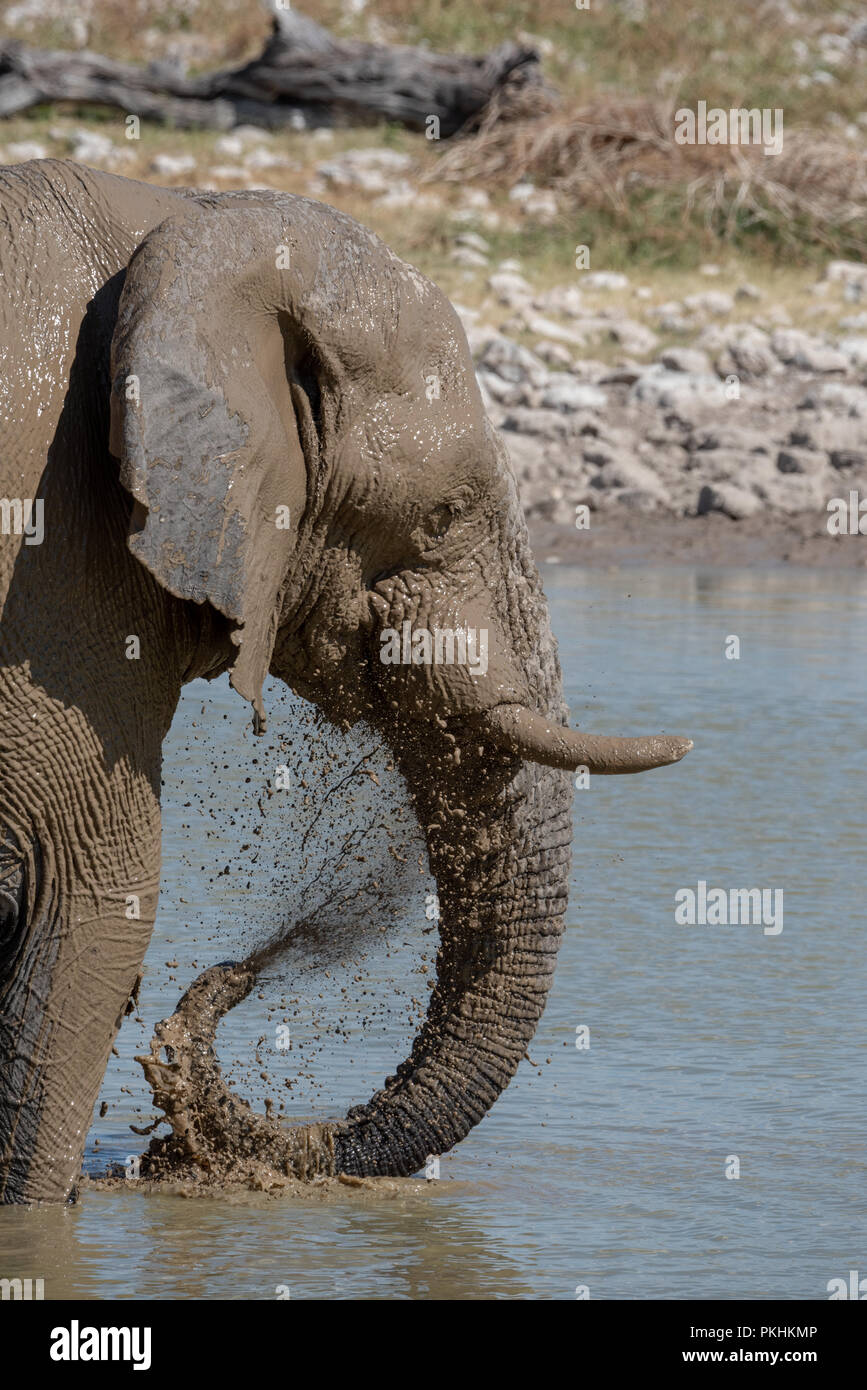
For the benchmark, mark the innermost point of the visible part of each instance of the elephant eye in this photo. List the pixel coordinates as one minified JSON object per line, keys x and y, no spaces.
{"x":12,"y":894}
{"x":438,"y":520}
{"x":11,"y":902}
{"x":8,"y":917}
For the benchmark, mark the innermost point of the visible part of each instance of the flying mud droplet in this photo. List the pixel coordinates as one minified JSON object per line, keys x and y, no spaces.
{"x":323,"y":885}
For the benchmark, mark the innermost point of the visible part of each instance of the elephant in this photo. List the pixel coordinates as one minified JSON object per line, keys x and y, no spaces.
{"x":239,"y":434}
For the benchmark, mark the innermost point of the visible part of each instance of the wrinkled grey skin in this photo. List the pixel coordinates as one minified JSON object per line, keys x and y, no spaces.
{"x":176,"y":368}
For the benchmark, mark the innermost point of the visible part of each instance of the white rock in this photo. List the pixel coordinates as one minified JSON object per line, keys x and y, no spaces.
{"x":468,"y":258}
{"x":263,"y":158}
{"x":634,"y":338}
{"x":839,"y":394}
{"x":372,"y":157}
{"x":671,"y":317}
{"x":663,"y":388}
{"x":173,"y":165}
{"x":554,"y":354}
{"x":474,"y":242}
{"x":513,"y":362}
{"x":777,"y":316}
{"x":799,"y":349}
{"x":547,"y":328}
{"x":734,"y":501}
{"x":495,"y":387}
{"x":233,"y":173}
{"x":371,"y":182}
{"x":605,"y":280}
{"x":509,"y":288}
{"x":743,"y":349}
{"x":731,"y":466}
{"x":671,"y":306}
{"x":251,"y":135}
{"x":794,"y":492}
{"x":570,"y":395}
{"x":640,"y":500}
{"x":546,"y":424}
{"x":370,"y":170}
{"x":90,"y":147}
{"x":541,"y":204}
{"x":473,"y":199}
{"x":855,"y":349}
{"x":21,"y":150}
{"x":626,"y":472}
{"x":715,"y":302}
{"x":230,"y":145}
{"x":838,"y":272}
{"x":401,"y":194}
{"x":685,"y":359}
{"x":834,"y":47}
{"x":563,"y":299}
{"x":795,"y":460}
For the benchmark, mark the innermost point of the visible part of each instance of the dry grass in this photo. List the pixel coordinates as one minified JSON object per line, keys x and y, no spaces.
{"x":608,"y":155}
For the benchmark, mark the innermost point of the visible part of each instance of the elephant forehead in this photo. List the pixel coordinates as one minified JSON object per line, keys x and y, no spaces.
{"x":349,"y":281}
{"x":430,"y":444}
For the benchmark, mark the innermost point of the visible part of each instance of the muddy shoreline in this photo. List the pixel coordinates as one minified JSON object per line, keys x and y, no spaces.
{"x":754,"y":542}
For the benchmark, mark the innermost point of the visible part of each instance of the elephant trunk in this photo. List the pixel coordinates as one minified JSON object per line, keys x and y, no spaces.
{"x":501,"y":860}
{"x":498,"y":831}
{"x":500,"y":855}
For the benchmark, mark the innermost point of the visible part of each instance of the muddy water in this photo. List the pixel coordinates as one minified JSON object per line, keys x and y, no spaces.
{"x":602,"y":1167}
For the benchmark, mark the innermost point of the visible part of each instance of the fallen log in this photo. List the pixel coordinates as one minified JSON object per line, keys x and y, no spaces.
{"x":303,"y":77}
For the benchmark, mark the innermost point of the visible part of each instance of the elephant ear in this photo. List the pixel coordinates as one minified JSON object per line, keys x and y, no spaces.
{"x":205,"y":424}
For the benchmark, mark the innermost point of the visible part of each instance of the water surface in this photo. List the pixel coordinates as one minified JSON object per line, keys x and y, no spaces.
{"x":602,"y":1168}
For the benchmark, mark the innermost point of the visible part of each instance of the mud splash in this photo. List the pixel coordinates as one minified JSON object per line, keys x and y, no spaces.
{"x":217,"y":1139}
{"x":348,"y":871}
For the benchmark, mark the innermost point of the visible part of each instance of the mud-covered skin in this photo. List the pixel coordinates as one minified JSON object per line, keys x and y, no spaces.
{"x":176,"y":369}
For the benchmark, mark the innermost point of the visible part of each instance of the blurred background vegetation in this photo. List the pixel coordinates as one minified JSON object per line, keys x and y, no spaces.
{"x":604,"y":156}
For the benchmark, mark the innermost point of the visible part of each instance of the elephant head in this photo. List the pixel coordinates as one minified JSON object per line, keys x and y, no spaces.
{"x":287,"y":365}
